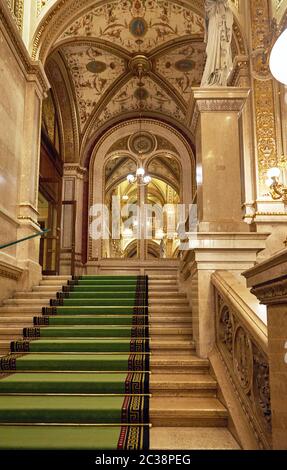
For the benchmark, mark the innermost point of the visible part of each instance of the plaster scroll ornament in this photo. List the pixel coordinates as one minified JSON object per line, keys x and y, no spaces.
{"x":218,"y":36}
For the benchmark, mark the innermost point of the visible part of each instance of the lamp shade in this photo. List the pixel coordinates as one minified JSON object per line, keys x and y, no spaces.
{"x":278,"y":59}
{"x":273,"y":172}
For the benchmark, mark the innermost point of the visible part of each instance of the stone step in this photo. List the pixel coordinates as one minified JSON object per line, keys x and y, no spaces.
{"x":34,"y":295}
{"x":52,"y":282}
{"x":10,"y":330}
{"x":4,"y":345}
{"x":27,"y":302}
{"x":14,"y":322}
{"x":187,"y":411}
{"x":169,"y":309}
{"x":59,"y":278}
{"x":24,"y":310}
{"x":171,"y":344}
{"x":178,"y":364}
{"x":162,"y":277}
{"x":197,"y":385}
{"x":181,"y":320}
{"x":164,"y":330}
{"x":187,"y":438}
{"x":162,"y":282}
{"x":54,"y":288}
{"x":162,"y":289}
{"x":168,"y":301}
{"x":172,"y":295}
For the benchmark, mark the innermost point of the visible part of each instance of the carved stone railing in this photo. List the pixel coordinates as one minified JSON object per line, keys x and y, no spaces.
{"x":268,"y":282}
{"x":241,"y":339}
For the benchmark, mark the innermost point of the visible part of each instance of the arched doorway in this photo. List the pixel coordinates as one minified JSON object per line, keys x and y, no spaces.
{"x":168,"y":159}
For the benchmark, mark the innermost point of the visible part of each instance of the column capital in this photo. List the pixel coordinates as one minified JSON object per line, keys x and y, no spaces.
{"x":74,"y":169}
{"x":229,"y":99}
{"x":268,"y":279}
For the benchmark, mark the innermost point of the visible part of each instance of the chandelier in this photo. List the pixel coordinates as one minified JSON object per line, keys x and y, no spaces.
{"x":140,"y":67}
{"x":140,"y":177}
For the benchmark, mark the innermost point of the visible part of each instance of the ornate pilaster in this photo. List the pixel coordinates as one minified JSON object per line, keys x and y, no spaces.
{"x":265,"y":93}
{"x":72,"y":224}
{"x":268,"y":281}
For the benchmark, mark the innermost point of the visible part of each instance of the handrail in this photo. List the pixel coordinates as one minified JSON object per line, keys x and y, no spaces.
{"x":7,"y":245}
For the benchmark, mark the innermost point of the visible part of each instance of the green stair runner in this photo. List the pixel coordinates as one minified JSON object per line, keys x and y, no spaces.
{"x":80,"y":378}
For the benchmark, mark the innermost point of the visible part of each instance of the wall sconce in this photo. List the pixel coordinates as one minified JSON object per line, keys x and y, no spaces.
{"x":277,"y":190}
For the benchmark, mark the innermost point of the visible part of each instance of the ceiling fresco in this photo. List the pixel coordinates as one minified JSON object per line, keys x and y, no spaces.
{"x":139,"y":96}
{"x":182,"y":67}
{"x":101,"y":51}
{"x":93,"y":71}
{"x":137,"y":24}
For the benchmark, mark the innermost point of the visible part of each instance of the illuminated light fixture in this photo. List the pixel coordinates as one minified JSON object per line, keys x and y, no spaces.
{"x":277,"y":62}
{"x":125,"y":197}
{"x":159,"y":234}
{"x":277,"y":190}
{"x":128,"y":233}
{"x":140,"y":177}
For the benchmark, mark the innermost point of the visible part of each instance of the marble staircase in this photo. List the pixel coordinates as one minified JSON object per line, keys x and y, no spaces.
{"x":185,"y":411}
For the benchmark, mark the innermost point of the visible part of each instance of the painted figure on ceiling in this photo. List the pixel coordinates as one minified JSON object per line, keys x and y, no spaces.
{"x":218,"y":36}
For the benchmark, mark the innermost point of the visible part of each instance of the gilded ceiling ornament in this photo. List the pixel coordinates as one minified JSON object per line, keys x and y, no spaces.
{"x":142,"y":143}
{"x":17,"y":9}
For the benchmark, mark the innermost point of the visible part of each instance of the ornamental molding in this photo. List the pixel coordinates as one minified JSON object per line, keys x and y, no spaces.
{"x":8,"y":271}
{"x":272,"y":293}
{"x":32,"y":69}
{"x":214,"y":105}
{"x":76,"y":169}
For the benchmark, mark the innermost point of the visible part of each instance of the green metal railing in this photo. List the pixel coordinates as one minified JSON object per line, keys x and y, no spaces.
{"x":7,"y":245}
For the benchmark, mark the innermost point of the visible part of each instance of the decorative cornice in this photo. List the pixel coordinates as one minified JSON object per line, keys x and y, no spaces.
{"x":9,"y":271}
{"x":33,"y":70}
{"x":214,"y":103}
{"x":272,"y":293}
{"x":76,"y":169}
{"x":220,"y":105}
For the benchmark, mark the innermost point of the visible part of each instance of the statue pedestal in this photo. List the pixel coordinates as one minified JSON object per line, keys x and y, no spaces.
{"x":216,"y":126}
{"x":269,"y":283}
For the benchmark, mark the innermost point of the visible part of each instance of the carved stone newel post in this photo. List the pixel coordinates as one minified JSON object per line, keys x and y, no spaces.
{"x":269,"y":283}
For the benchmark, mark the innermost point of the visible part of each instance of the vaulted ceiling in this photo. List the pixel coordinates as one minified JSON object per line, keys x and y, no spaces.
{"x":99,"y":51}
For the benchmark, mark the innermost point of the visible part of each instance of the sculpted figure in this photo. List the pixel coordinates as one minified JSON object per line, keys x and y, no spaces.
{"x":218,"y":36}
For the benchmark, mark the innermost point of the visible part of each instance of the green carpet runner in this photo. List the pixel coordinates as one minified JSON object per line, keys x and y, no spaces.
{"x":79,"y":379}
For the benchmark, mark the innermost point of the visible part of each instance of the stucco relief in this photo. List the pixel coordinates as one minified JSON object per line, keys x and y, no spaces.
{"x":138,"y":23}
{"x":93,"y":71}
{"x":183,"y":67}
{"x":149,"y":96}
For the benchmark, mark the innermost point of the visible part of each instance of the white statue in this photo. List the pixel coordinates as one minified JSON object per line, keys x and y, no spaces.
{"x":218,"y":36}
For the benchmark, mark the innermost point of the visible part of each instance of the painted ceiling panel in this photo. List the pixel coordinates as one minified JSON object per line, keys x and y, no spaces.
{"x":134,"y":24}
{"x":135,"y":96}
{"x":183,"y":67}
{"x":93,"y":71}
